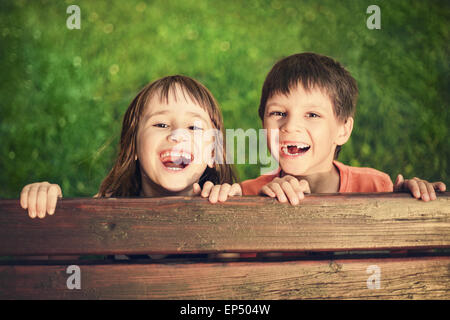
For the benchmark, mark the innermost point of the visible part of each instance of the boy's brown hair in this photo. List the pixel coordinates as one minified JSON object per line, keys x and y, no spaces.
{"x":313,"y":70}
{"x":124,"y":179}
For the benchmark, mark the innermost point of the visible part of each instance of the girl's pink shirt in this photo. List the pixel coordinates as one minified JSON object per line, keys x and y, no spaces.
{"x":352,"y":179}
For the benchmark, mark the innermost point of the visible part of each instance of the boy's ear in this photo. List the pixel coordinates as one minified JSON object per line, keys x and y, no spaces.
{"x":345,"y":130}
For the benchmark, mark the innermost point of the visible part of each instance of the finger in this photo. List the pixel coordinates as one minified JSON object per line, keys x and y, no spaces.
{"x":267,"y":191}
{"x":235,"y":190}
{"x":32,"y":195}
{"x":278,"y":192}
{"x":196,"y":189}
{"x":304,"y":186}
{"x":223,"y":192}
{"x":60,"y":194}
{"x":413,"y":187}
{"x":423,"y":191}
{"x":290,"y":193}
{"x":207,"y":189}
{"x":54,"y":191}
{"x":430,"y":190}
{"x":41,"y":201}
{"x":214,"y":195}
{"x":277,"y":181}
{"x":399,"y":182}
{"x":295,"y":184}
{"x":439,"y":186}
{"x":24,"y":196}
{"x":301,"y":196}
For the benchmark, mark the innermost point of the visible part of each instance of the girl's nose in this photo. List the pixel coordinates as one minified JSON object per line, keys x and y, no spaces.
{"x":178,"y":135}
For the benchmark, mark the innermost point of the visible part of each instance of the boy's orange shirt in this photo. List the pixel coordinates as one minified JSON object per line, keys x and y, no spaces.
{"x":352,"y":179}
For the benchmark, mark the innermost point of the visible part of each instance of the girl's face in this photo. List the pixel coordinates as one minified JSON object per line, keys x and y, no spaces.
{"x":172,"y":148}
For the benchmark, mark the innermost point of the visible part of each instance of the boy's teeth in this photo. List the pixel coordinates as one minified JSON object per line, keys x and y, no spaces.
{"x":300,"y":145}
{"x":295,"y":149}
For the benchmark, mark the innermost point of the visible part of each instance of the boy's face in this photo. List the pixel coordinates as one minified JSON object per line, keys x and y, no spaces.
{"x":307,"y":128}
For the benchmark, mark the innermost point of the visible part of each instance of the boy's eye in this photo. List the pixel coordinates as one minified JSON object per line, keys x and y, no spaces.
{"x":277,"y":114}
{"x":161,"y":125}
{"x":313,"y":115}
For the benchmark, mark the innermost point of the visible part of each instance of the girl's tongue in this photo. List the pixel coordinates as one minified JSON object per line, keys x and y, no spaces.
{"x":176,"y":160}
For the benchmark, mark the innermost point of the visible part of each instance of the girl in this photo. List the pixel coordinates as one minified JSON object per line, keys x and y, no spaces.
{"x":164,"y":149}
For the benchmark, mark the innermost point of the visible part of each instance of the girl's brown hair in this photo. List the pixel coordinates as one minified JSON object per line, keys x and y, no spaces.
{"x":124,"y":179}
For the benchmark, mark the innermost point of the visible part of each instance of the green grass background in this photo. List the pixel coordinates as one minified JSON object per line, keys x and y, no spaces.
{"x":64,"y":92}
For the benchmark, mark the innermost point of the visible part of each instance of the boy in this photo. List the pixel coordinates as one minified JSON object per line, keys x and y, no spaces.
{"x":307,"y":106}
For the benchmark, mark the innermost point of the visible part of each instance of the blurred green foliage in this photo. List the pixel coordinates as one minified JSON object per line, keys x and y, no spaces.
{"x":64,"y":92}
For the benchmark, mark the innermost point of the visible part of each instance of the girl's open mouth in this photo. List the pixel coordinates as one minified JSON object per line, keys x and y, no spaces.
{"x":176,"y":160}
{"x":294,"y":149}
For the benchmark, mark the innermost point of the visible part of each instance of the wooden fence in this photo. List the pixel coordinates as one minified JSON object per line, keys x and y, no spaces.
{"x":340,"y":246}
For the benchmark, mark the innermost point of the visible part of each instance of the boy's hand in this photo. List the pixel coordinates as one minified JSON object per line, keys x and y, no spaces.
{"x":419,"y":188}
{"x":219,"y":192}
{"x":40,"y":198}
{"x":286,"y":188}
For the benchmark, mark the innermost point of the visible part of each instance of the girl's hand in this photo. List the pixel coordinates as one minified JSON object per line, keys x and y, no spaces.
{"x":219,"y":192}
{"x":40,"y":198}
{"x":286,"y":188}
{"x":419,"y":188}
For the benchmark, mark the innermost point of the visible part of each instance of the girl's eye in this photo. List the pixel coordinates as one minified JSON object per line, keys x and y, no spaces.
{"x":277,"y":114}
{"x":161,"y":125}
{"x":195,"y":128}
{"x":313,"y":115}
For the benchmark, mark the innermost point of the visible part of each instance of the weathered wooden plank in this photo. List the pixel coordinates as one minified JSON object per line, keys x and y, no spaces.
{"x":242,"y":224}
{"x":400,"y":278}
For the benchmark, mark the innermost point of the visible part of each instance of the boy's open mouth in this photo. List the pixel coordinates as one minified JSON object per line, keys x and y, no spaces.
{"x":176,"y":160}
{"x":294,"y":149}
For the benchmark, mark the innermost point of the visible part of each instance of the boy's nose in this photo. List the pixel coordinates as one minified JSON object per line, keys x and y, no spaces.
{"x":291,"y":125}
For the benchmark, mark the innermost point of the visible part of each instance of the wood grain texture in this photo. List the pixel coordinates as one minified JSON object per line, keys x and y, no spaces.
{"x":419,"y":278}
{"x":242,"y":224}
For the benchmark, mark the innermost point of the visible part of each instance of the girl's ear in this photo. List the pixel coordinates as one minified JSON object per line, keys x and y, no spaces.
{"x":211,"y":160}
{"x":135,"y":157}
{"x":344,"y":131}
